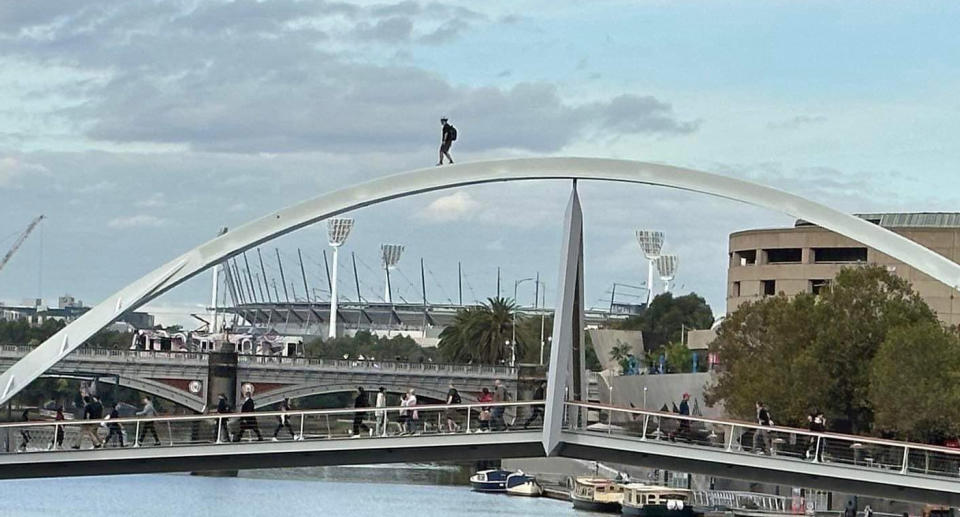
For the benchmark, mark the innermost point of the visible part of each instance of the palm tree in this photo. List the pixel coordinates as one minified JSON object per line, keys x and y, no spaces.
{"x":619,"y":353}
{"x":479,"y":334}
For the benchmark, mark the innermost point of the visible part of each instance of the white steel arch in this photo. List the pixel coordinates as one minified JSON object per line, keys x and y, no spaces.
{"x":419,"y":181}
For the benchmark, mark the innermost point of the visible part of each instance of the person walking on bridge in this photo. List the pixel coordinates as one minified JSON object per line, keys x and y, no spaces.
{"x":147,"y":412}
{"x":499,"y":395}
{"x":762,"y":435}
{"x":360,"y":402}
{"x":284,"y":421}
{"x":537,"y":411}
{"x":58,"y":430}
{"x":381,"y":413}
{"x":447,"y":137}
{"x":91,"y":411}
{"x":115,"y":428}
{"x":248,"y":423}
{"x":453,"y":397}
{"x":223,"y":408}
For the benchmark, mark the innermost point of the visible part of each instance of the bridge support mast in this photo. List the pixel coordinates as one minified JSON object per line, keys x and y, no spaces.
{"x":567,"y":376}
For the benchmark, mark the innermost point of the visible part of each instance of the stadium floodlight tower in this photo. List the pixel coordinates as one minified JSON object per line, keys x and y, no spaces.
{"x":650,"y":242}
{"x":667,"y":267}
{"x":389,"y":256}
{"x":337,"y":230}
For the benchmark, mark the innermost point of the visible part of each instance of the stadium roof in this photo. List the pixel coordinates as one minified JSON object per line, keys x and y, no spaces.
{"x":907,"y":220}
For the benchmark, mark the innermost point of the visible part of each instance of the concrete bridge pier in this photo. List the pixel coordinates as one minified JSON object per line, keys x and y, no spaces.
{"x":222,"y":377}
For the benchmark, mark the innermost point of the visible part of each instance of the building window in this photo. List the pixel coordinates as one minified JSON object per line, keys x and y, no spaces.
{"x":843,"y":255}
{"x":735,"y":290}
{"x":745,"y":257}
{"x":768,"y":287}
{"x":783,"y":255}
{"x":816,"y":286}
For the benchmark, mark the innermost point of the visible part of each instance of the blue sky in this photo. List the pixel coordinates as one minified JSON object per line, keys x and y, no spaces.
{"x":140,"y":129}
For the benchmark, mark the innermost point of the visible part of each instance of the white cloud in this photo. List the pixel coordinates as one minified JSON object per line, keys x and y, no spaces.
{"x":12,"y":168}
{"x":137,"y":221}
{"x":454,"y":207}
{"x":157,"y":200}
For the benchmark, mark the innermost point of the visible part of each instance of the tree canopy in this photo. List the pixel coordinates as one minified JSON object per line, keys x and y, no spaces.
{"x":840,"y":351}
{"x":402,"y":348}
{"x":479,"y":334}
{"x":663,"y":321}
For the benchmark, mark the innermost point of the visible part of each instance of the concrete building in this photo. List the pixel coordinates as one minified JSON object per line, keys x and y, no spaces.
{"x":804,"y":259}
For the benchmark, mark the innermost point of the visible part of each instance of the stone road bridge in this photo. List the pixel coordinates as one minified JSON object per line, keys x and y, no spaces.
{"x":182,"y":377}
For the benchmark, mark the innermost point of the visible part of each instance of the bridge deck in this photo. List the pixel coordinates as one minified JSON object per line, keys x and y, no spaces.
{"x":856,"y":464}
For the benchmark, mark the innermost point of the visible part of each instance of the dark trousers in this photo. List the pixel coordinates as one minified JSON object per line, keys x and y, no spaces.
{"x":58,"y":436}
{"x":114,"y":431}
{"x":358,"y":423}
{"x":285,"y":422}
{"x":144,"y":427}
{"x":497,"y":418}
{"x":248,"y":424}
{"x":535,"y":412}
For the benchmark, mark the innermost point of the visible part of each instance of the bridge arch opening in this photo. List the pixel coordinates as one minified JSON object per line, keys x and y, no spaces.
{"x":420,"y":181}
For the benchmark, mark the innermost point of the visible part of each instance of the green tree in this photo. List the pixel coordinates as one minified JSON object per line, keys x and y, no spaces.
{"x":679,"y":358}
{"x":402,"y":348}
{"x":813,"y":351}
{"x":913,"y":386}
{"x":666,"y":317}
{"x":479,"y":334}
{"x":620,"y":353}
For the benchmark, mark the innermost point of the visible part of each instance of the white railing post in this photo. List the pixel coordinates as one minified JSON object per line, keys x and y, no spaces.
{"x":816,"y":449}
{"x":646,"y":422}
{"x":906,"y":460}
{"x":303,"y":417}
{"x":733,"y":431}
{"x":468,"y":418}
{"x":136,"y":439}
{"x":219,"y":429}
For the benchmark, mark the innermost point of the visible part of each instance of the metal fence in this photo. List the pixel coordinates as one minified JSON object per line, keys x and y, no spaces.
{"x":232,"y":428}
{"x":862,"y":452}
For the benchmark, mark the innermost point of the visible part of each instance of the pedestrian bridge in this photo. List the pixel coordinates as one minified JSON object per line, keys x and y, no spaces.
{"x":855,"y":464}
{"x":181,"y":376}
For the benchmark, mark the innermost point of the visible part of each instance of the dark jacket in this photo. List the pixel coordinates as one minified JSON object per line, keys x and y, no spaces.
{"x":93,"y":411}
{"x":248,"y":406}
{"x":223,"y":406}
{"x":361,"y":400}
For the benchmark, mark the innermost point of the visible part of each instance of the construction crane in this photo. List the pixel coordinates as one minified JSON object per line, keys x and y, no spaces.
{"x":16,"y":245}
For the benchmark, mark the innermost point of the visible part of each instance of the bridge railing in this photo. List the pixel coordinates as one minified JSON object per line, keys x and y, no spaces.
{"x":734,"y":437}
{"x":369,"y":423}
{"x":126,"y":355}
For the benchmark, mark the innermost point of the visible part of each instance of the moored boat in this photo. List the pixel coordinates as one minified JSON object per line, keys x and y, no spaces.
{"x":490,"y":481}
{"x":656,"y":501}
{"x":597,"y":494}
{"x":523,"y":485}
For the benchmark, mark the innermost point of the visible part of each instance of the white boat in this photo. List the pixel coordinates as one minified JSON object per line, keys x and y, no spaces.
{"x":597,"y":494}
{"x":493,"y":480}
{"x":523,"y":485}
{"x":656,"y":501}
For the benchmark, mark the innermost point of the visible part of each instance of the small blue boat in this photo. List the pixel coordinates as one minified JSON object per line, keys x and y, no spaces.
{"x":490,"y":481}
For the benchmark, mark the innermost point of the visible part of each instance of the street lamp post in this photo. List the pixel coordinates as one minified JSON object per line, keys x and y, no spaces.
{"x":516,"y":283}
{"x":337,"y":230}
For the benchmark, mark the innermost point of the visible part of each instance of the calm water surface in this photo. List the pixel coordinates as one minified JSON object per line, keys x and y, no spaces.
{"x":160,"y":495}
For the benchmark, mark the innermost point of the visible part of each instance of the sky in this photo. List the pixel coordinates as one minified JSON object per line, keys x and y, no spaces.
{"x":141,"y":128}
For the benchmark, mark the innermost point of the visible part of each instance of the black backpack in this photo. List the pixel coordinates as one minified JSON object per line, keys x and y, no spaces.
{"x":453,"y":137}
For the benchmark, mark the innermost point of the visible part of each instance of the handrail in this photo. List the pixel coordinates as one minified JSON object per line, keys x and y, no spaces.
{"x":266,"y":359}
{"x":256,"y":414}
{"x":749,"y":425}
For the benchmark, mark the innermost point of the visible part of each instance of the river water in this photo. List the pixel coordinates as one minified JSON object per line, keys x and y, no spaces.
{"x":387,"y":491}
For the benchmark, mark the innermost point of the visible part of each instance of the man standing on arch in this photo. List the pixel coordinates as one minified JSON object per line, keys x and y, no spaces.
{"x":447,"y":138}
